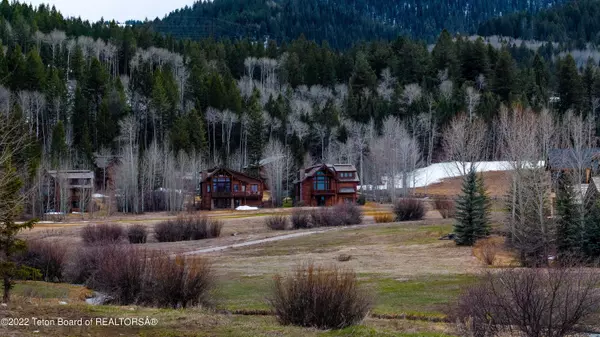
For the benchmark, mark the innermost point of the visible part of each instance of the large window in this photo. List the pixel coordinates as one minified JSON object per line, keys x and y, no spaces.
{"x":221,"y":184}
{"x":321,"y":182}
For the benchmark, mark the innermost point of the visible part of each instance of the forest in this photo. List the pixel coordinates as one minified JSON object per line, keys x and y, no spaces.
{"x":152,"y":108}
{"x":573,"y":24}
{"x":341,"y":23}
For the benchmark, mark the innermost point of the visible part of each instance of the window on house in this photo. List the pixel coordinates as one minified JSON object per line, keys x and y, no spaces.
{"x":221,"y":184}
{"x":236,"y":188}
{"x":243,"y":188}
{"x":208,"y":188}
{"x":254,"y":187}
{"x":321,"y":182}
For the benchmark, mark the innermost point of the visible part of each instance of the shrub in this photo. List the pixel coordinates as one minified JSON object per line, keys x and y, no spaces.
{"x":487,"y":249}
{"x":130,"y":274}
{"x":534,"y":302}
{"x":137,"y":234}
{"x":324,"y":217}
{"x":383,"y":218}
{"x":83,"y":263}
{"x":277,"y":222}
{"x":47,"y":257}
{"x":325,"y":298}
{"x":446,"y":207}
{"x":118,"y":272}
{"x":187,"y":228}
{"x":102,"y":234}
{"x":300,"y":219}
{"x":178,"y":282}
{"x":409,"y":210}
{"x":350,"y":214}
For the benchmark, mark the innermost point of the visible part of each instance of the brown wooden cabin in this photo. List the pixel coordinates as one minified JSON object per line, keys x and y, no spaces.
{"x":223,"y":188}
{"x":327,"y":185}
{"x":68,"y":191}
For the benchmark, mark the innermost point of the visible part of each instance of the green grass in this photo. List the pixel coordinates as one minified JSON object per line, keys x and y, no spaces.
{"x":428,"y":296}
{"x":243,"y":292}
{"x":42,"y":290}
{"x":393,"y":234}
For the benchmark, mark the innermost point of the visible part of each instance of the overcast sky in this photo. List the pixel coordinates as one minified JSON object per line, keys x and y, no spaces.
{"x":119,"y":10}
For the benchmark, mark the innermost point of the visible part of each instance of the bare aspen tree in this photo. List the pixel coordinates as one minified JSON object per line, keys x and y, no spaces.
{"x":127,"y":170}
{"x":472,"y":98}
{"x":102,"y":159}
{"x":212,"y":118}
{"x":464,"y":142}
{"x":523,"y":138}
{"x":278,"y":160}
{"x":385,"y":89}
{"x":397,"y":154}
{"x":411,"y":94}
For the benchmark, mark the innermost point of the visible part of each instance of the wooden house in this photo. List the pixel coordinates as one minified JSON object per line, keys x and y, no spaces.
{"x":223,"y":188}
{"x":327,"y":185}
{"x":67,"y":191}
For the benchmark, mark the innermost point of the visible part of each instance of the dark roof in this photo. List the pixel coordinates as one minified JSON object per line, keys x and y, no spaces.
{"x":238,"y":175}
{"x":564,"y":159}
{"x":334,"y":168}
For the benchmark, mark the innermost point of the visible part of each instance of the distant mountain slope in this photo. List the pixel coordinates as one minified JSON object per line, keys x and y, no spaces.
{"x":340,"y":22}
{"x":575,"y":23}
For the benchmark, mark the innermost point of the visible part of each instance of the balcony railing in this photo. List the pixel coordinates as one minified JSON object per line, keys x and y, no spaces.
{"x":323,"y":192}
{"x":238,"y":194}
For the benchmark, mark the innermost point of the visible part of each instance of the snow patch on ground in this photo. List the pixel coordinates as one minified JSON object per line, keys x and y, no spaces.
{"x":435,"y":173}
{"x":246,"y":208}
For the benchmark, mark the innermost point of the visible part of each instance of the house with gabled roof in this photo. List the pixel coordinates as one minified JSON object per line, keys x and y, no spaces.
{"x":224,"y":188}
{"x":327,"y":184}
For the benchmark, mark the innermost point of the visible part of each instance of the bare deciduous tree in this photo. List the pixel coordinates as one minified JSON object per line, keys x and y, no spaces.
{"x":464,"y":142}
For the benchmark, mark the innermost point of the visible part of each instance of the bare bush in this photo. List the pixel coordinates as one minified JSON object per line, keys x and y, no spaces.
{"x":409,"y":209}
{"x":277,"y":222}
{"x":178,"y":282}
{"x":300,"y":219}
{"x":488,"y":249}
{"x":187,"y":228}
{"x":49,"y":257}
{"x":321,"y":297}
{"x":137,"y":234}
{"x":446,"y":207}
{"x":349,"y":213}
{"x":324,"y":217}
{"x":83,"y":262}
{"x":119,"y":273}
{"x":531,"y":302}
{"x":130,"y":274}
{"x":383,"y":218}
{"x":102,"y":234}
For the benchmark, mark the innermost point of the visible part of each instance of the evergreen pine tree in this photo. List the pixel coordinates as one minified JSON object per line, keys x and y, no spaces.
{"x":472,"y":211}
{"x":256,"y":139}
{"x":591,"y":233}
{"x":567,"y":225}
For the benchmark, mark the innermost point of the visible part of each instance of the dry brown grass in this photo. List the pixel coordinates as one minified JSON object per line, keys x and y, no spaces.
{"x":492,"y":252}
{"x":383,"y":217}
{"x":495,"y":182}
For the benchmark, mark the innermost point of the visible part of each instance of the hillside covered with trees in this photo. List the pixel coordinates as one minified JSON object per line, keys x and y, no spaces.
{"x":574,"y":23}
{"x":340,"y":22}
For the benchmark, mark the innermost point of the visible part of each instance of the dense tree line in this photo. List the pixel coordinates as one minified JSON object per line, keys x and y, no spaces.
{"x":341,"y":23}
{"x":574,"y":24}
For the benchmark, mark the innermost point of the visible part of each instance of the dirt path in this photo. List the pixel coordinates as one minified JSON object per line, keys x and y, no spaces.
{"x":258,"y":242}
